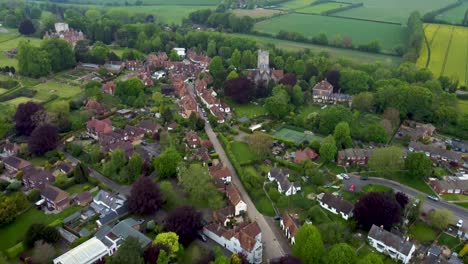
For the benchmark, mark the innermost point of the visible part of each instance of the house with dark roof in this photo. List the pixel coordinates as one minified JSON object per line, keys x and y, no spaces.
{"x":14,"y":164}
{"x":113,"y":236}
{"x":192,"y":139}
{"x":83,"y":198}
{"x":224,"y":215}
{"x":282,"y":179}
{"x":9,"y":149}
{"x":336,"y":205}
{"x":62,"y":167}
{"x":435,"y":153}
{"x":55,"y":198}
{"x":290,"y":226}
{"x":149,"y":126}
{"x":352,"y":156}
{"x":450,"y":185}
{"x":385,"y":242}
{"x":245,"y":239}
{"x":235,"y":199}
{"x":109,"y":206}
{"x":34,"y":178}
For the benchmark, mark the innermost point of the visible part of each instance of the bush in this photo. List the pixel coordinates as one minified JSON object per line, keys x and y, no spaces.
{"x":14,"y":186}
{"x":3,"y":185}
{"x":34,"y":195}
{"x":15,"y":250}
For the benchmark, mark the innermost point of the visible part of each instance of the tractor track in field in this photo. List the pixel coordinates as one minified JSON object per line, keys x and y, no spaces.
{"x":466,"y":64}
{"x":429,"y":43}
{"x":447,"y":52}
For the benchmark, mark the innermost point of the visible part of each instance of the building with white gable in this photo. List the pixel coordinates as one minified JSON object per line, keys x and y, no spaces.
{"x":390,"y":244}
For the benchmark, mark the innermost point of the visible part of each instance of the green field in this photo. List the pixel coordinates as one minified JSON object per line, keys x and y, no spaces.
{"x":295,"y":136}
{"x":463,"y":106}
{"x":295,"y":4}
{"x":9,"y":41}
{"x":13,"y":233}
{"x":45,"y":90}
{"x":243,"y":153}
{"x":320,"y":8}
{"x":448,"y":51}
{"x":145,"y":2}
{"x":256,"y":13}
{"x":422,"y":232}
{"x":361,"y":32}
{"x":335,"y":53}
{"x":396,"y":11}
{"x":454,"y":15}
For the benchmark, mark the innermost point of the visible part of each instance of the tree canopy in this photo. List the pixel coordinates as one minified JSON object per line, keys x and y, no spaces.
{"x":145,"y":197}
{"x":166,"y":163}
{"x":309,"y":246}
{"x":377,"y":208}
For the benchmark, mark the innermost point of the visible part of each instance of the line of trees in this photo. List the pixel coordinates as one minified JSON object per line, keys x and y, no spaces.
{"x":222,"y":20}
{"x":415,"y":37}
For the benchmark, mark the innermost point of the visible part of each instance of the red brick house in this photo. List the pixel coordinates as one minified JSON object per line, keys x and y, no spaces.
{"x":193,"y":140}
{"x":352,"y":156}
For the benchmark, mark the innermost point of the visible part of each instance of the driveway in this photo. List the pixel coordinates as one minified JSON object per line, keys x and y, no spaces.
{"x":428,"y":205}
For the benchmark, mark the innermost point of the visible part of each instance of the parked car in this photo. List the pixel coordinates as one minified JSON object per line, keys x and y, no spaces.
{"x":345,"y":176}
{"x":460,"y":223}
{"x":339,"y":176}
{"x":434,"y":198}
{"x":277,"y":218}
{"x":364,"y":178}
{"x":143,"y":143}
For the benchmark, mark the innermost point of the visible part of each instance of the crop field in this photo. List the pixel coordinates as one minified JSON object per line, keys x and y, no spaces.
{"x":295,"y":136}
{"x":392,"y":11}
{"x":295,"y":4}
{"x":320,"y":8}
{"x":362,"y":32}
{"x":454,"y":15}
{"x":256,"y":13}
{"x":448,"y":46}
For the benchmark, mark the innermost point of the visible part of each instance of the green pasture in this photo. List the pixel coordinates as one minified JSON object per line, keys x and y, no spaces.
{"x":256,"y":13}
{"x":19,"y":100}
{"x":320,"y":8}
{"x":361,"y":32}
{"x":392,"y":11}
{"x":295,"y":4}
{"x":145,"y":2}
{"x":295,"y":136}
{"x":45,"y":90}
{"x":335,"y":53}
{"x":454,"y":15}
{"x":2,"y":90}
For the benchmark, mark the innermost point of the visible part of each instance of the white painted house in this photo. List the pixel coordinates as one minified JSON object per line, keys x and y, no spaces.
{"x":235,"y":199}
{"x":390,"y":244}
{"x":282,"y":179}
{"x":246,"y":240}
{"x":289,"y":226}
{"x":336,"y":205}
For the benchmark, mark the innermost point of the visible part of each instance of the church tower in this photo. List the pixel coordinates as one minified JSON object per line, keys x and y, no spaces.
{"x":263,"y":63}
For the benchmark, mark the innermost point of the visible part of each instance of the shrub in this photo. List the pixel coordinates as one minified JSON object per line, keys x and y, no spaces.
{"x":34,"y":195}
{"x":15,"y":250}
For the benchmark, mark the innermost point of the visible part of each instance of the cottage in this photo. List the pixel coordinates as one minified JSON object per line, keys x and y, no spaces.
{"x":352,"y":156}
{"x":305,"y":155}
{"x":37,"y":178}
{"x":55,"y":199}
{"x":290,"y":226}
{"x":187,"y":106}
{"x":390,"y":244}
{"x":91,"y":251}
{"x":62,"y":167}
{"x":282,"y":179}
{"x":97,"y":127}
{"x":450,"y":185}
{"x":14,"y":164}
{"x":235,"y":199}
{"x":193,"y":140}
{"x":246,"y":239}
{"x":83,"y":198}
{"x":109,"y":88}
{"x":336,"y":205}
{"x":221,"y":172}
{"x":134,"y":133}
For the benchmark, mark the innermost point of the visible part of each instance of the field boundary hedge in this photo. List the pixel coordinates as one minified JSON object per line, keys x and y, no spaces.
{"x":341,"y":9}
{"x":431,"y":16}
{"x":368,"y":20}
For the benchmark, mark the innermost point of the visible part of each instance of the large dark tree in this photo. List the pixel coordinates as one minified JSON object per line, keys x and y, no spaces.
{"x":38,"y":232}
{"x":239,"y":89}
{"x":288,"y":259}
{"x":44,"y":138}
{"x":24,"y":122}
{"x":333,"y":77}
{"x":81,"y":173}
{"x":145,"y":197}
{"x":151,"y":254}
{"x":185,"y":221}
{"x":377,"y":208}
{"x":26,"y":27}
{"x":402,"y":199}
{"x":289,"y":79}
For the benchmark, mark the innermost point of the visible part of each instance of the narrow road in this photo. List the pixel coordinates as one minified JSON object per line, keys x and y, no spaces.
{"x":458,"y":211}
{"x":122,"y":189}
{"x":272,"y":248}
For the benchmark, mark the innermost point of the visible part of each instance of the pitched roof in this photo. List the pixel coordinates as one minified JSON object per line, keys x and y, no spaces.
{"x":281,"y":176}
{"x":223,"y":214}
{"x":100,"y":126}
{"x":306,"y":154}
{"x":84,"y":253}
{"x":149,"y":125}
{"x":390,"y":239}
{"x":54,"y":194}
{"x":290,"y":224}
{"x":38,"y":177}
{"x":324,"y":85}
{"x":220,"y":171}
{"x":246,"y":236}
{"x":233,"y":194}
{"x":84,"y":196}
{"x":339,"y":204}
{"x":123,"y":230}
{"x":16,"y":162}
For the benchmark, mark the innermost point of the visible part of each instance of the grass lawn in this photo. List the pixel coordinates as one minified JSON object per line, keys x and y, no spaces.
{"x":465,"y":205}
{"x":242,"y":152}
{"x":264,"y":206}
{"x":294,"y":4}
{"x":362,"y":32}
{"x":334,"y":53}
{"x":455,"y":197}
{"x":13,"y":233}
{"x":193,"y":253}
{"x":376,"y":188}
{"x":415,"y":183}
{"x":45,"y":90}
{"x":79,"y":188}
{"x":422,"y":232}
{"x":249,"y":110}
{"x":449,"y":241}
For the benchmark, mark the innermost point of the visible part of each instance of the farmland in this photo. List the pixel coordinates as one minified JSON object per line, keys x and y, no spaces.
{"x":295,"y":4}
{"x":396,"y":11}
{"x":448,"y":46}
{"x":320,"y":8}
{"x":9,"y":41}
{"x":335,"y":53}
{"x":362,"y":32}
{"x":454,"y":15}
{"x":256,"y":13}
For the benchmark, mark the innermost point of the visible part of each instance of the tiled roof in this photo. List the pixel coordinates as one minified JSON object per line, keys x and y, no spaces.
{"x":390,"y":239}
{"x":306,"y":154}
{"x":16,"y":162}
{"x":339,"y":204}
{"x":54,"y":194}
{"x":290,"y":224}
{"x":233,"y":194}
